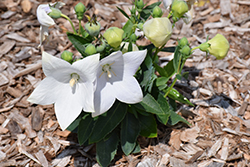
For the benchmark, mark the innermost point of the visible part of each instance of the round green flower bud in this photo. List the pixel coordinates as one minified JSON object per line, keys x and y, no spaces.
{"x":67,"y":56}
{"x":80,"y":9}
{"x":158,"y":30}
{"x":140,"y":26}
{"x":140,"y":4}
{"x":179,"y":8}
{"x":90,"y":49}
{"x":185,"y":50}
{"x":93,"y":28}
{"x":183,"y":41}
{"x":101,"y":47}
{"x":157,"y":12}
{"x":219,"y":46}
{"x":55,"y":13}
{"x":113,"y":36}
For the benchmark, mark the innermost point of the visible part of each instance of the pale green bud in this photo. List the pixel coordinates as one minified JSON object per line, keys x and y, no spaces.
{"x":80,"y":9}
{"x":219,"y":46}
{"x":140,"y":26}
{"x":185,"y":50}
{"x":183,"y":41}
{"x":179,"y":8}
{"x":90,"y":49}
{"x":157,"y":12}
{"x":93,"y":28}
{"x":67,"y":56}
{"x":113,"y":36}
{"x":101,"y":47}
{"x":158,"y":30}
{"x":140,"y":4}
{"x":55,"y":13}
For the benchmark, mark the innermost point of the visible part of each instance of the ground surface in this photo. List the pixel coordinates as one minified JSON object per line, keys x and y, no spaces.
{"x":220,"y":131}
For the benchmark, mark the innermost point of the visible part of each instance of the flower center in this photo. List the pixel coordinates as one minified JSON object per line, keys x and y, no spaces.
{"x":74,"y":78}
{"x":106,"y":68}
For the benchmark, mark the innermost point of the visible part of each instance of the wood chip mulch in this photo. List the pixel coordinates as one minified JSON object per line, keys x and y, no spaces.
{"x":220,"y":131}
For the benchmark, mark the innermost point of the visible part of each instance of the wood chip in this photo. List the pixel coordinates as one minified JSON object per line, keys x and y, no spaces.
{"x":28,"y":70}
{"x":215,"y":148}
{"x":3,"y":80}
{"x":6,"y":47}
{"x":17,"y":37}
{"x":41,"y":158}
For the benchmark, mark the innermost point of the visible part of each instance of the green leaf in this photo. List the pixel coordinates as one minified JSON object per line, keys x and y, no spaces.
{"x":163,"y":118}
{"x":170,"y":49}
{"x":161,"y":70}
{"x":175,"y":118}
{"x":178,"y":76}
{"x":161,"y":81}
{"x":78,"y":42}
{"x":108,"y":122}
{"x":148,"y":126}
{"x":169,"y":68}
{"x":106,"y":149}
{"x":130,"y":129}
{"x":137,"y":149}
{"x":177,"y":57}
{"x":73,"y":126}
{"x":85,"y":128}
{"x":174,"y":94}
{"x":127,"y":28}
{"x":151,"y":105}
{"x":146,"y":12}
{"x":123,"y":12}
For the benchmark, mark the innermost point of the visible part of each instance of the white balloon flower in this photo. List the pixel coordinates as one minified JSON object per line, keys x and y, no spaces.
{"x":45,"y":20}
{"x":115,"y":80}
{"x":70,"y":87}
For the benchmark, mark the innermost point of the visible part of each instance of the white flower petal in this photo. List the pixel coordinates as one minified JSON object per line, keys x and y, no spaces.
{"x":44,"y":93}
{"x":87,"y":96}
{"x":43,"y":17}
{"x":133,"y":60}
{"x":68,"y":104}
{"x":128,"y":91}
{"x":88,"y":67}
{"x":104,"y":97}
{"x":52,"y":65}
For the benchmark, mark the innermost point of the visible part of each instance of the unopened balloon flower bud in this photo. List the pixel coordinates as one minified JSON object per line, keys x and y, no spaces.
{"x":55,"y":13}
{"x":185,"y":50}
{"x":67,"y":56}
{"x":219,"y":46}
{"x":101,"y":47}
{"x":158,"y":30}
{"x":80,"y":9}
{"x":179,"y":8}
{"x":183,"y":41}
{"x":90,"y":49}
{"x":140,"y":4}
{"x":93,"y":28}
{"x":113,"y":36}
{"x":157,"y":12}
{"x":140,"y":26}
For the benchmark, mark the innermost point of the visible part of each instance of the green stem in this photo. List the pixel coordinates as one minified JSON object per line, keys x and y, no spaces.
{"x":194,"y":48}
{"x":79,"y":31}
{"x":172,"y":85}
{"x":66,"y":17}
{"x":170,"y":14}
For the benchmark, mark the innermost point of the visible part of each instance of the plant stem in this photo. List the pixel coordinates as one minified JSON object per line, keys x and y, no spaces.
{"x":197,"y":47}
{"x":79,"y":31}
{"x":66,"y":17}
{"x":172,"y":85}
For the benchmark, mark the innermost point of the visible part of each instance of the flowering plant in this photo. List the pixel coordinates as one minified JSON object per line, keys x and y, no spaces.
{"x":113,"y":94}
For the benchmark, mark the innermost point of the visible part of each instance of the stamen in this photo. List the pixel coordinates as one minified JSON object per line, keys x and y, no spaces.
{"x":106,"y":68}
{"x":74,"y":79}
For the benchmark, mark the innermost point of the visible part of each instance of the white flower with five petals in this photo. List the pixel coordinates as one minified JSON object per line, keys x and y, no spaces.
{"x":70,"y":87}
{"x":45,"y":20}
{"x":115,"y":80}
